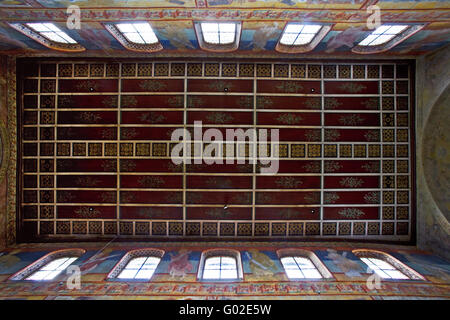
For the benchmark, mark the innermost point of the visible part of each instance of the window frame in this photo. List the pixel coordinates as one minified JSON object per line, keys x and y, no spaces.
{"x":220,"y":253}
{"x":312,"y":257}
{"x":126,"y":259}
{"x":303,"y":48}
{"x":41,"y":269}
{"x":129,"y":45}
{"x":215,"y":47}
{"x":36,"y":36}
{"x":395,"y":263}
{"x":396,"y":40}
{"x":45,"y":260}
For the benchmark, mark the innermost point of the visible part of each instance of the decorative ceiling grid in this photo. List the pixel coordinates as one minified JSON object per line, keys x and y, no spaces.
{"x":96,"y":142}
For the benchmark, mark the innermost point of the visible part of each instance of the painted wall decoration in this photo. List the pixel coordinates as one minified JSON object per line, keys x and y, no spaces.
{"x":97,"y":147}
{"x":179,"y":264}
{"x":263,"y":23}
{"x":340,"y":262}
{"x":264,"y":276}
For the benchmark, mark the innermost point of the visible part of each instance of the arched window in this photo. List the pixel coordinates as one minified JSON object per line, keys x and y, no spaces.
{"x":49,"y":266}
{"x":302,"y":264}
{"x":137,"y":36}
{"x":49,"y":35}
{"x":299,"y":268}
{"x":138,"y":264}
{"x":218,"y":36}
{"x":218,"y":264}
{"x":139,"y":268}
{"x":301,"y":38}
{"x":386,"y":266}
{"x":385,"y":37}
{"x":52,"y":269}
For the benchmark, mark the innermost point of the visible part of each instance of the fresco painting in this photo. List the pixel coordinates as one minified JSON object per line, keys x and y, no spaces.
{"x":261,"y":264}
{"x":175,"y":277}
{"x":341,"y":262}
{"x":180,"y":264}
{"x":316,"y":4}
{"x":116,"y":3}
{"x":13,"y":3}
{"x":263,"y":23}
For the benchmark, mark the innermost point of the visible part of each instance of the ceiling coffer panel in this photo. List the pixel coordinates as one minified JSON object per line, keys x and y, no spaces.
{"x":96,"y":156}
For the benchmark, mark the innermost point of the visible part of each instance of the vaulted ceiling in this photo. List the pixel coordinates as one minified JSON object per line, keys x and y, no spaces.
{"x":262,"y":24}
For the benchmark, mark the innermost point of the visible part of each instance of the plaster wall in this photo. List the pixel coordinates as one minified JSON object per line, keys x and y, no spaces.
{"x":433,"y":152}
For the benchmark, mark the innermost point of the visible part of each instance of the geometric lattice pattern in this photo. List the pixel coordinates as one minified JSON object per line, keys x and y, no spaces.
{"x":96,"y":145}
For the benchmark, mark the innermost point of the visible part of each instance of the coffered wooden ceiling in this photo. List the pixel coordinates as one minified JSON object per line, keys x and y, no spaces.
{"x":262,"y":24}
{"x":96,"y":141}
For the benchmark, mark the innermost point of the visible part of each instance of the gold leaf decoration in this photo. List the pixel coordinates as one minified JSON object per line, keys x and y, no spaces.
{"x":332,"y":103}
{"x":372,"y":167}
{"x":88,"y":117}
{"x":194,"y":102}
{"x":330,"y":197}
{"x":313,"y":135}
{"x":245,"y":102}
{"x":85,"y":212}
{"x":152,"y":85}
{"x":110,"y":102}
{"x":214,"y":182}
{"x":288,"y":182}
{"x":263,"y":102}
{"x":128,"y":101}
{"x":313,"y":167}
{"x":87,"y":182}
{"x":352,"y":87}
{"x":219,"y":117}
{"x":150,"y":181}
{"x":372,"y":197}
{"x":220,"y":85}
{"x":289,"y":118}
{"x":351,"y":182}
{"x":332,"y":166}
{"x":87,"y":85}
{"x":289,"y":87}
{"x":351,"y":213}
{"x":372,"y":135}
{"x":332,"y":135}
{"x":351,"y":120}
{"x":151,"y":117}
{"x":313,"y":103}
{"x":371,"y":104}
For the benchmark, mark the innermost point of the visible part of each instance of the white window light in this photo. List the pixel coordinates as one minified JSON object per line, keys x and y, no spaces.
{"x":299,"y":34}
{"x":140,"y":32}
{"x":383,"y":269}
{"x":51,"y":32}
{"x":382,"y":35}
{"x":300,"y":268}
{"x":218,"y":33}
{"x":220,"y":268}
{"x":51,"y":269}
{"x":141,"y":268}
